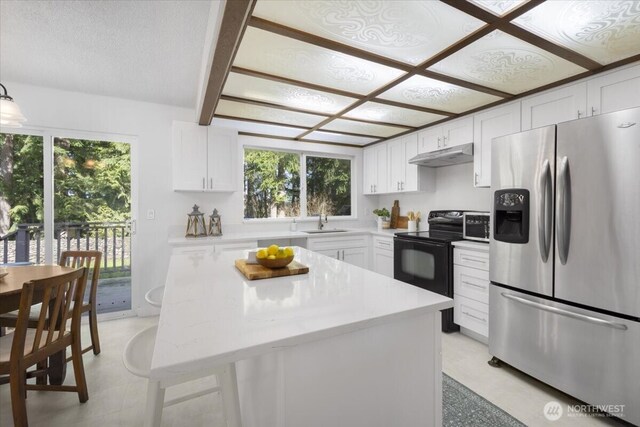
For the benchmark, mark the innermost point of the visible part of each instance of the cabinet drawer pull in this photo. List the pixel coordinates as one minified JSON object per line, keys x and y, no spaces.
{"x":473,"y":284}
{"x":482,"y":319}
{"x":464,"y":258}
{"x":384,"y":244}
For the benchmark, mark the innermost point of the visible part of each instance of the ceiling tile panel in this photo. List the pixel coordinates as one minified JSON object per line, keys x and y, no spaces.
{"x":408,"y":31}
{"x":430,"y":93}
{"x":258,"y":89}
{"x":336,"y":137}
{"x":605,"y":31}
{"x":256,"y":112}
{"x":498,"y":7}
{"x":377,"y":112}
{"x":259,"y":128}
{"x":273,"y":54}
{"x":349,"y":126}
{"x":506,"y":63}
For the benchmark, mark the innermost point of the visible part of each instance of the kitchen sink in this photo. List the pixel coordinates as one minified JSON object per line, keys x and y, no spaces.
{"x":335,"y":230}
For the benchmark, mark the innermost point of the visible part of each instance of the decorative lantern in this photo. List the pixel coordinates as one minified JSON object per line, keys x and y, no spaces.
{"x":195,"y":223}
{"x":215,"y":224}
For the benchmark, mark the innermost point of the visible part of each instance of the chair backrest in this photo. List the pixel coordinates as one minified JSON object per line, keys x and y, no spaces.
{"x":61,"y":298}
{"x":88,"y":259}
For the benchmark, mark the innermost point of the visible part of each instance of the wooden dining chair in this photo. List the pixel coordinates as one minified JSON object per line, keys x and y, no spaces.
{"x":61,"y":300}
{"x":76,"y":259}
{"x":90,"y":260}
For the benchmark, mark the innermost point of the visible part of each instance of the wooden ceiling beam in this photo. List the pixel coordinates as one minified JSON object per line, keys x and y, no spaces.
{"x":271,"y":105}
{"x":413,"y":107}
{"x":310,"y":141}
{"x":235,"y":17}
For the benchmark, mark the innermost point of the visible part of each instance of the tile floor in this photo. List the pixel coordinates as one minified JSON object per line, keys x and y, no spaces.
{"x":117,"y":398}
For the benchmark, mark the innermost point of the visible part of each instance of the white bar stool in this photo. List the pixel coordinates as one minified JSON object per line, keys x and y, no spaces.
{"x":137,"y":359}
{"x":154,"y":296}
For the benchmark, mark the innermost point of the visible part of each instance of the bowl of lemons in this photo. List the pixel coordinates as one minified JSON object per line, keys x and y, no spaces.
{"x":274,"y":256}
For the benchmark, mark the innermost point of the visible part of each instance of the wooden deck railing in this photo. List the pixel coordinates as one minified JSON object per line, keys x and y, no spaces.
{"x":113,"y":239}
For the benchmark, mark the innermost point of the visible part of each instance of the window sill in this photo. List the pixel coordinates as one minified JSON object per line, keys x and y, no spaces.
{"x":301,"y":220}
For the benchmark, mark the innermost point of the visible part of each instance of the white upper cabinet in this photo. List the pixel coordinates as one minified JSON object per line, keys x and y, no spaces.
{"x":189,"y":156}
{"x":204,"y":157}
{"x":487,"y":125}
{"x":613,"y":92}
{"x":222,"y":159}
{"x":561,"y":105}
{"x":403,"y":176}
{"x":376,"y":169}
{"x":450,"y":134}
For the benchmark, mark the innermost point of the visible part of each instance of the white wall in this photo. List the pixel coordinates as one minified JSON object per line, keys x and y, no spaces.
{"x":454,"y":191}
{"x":150,"y":124}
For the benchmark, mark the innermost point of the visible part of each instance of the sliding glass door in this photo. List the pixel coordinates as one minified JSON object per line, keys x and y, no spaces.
{"x":69,"y":191}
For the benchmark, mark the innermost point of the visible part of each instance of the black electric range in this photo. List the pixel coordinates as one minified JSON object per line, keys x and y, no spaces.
{"x":425,"y":258}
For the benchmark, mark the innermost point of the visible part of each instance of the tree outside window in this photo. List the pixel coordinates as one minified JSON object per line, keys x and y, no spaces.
{"x":272,"y":185}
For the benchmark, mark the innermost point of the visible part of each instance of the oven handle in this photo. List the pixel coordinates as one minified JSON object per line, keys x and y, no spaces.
{"x":419,"y":242}
{"x":566,"y":313}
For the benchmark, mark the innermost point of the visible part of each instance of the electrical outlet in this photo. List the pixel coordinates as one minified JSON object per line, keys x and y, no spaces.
{"x":151,"y":214}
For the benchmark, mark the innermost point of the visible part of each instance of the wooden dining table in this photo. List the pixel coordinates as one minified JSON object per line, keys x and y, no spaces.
{"x":10,"y":294}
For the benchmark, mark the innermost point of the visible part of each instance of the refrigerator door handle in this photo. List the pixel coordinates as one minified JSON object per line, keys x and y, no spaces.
{"x":564,"y":210}
{"x":566,"y":313}
{"x":544,"y":211}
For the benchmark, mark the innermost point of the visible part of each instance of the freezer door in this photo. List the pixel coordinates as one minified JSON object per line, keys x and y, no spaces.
{"x":525,"y":161}
{"x":598,"y":203}
{"x":588,"y":355}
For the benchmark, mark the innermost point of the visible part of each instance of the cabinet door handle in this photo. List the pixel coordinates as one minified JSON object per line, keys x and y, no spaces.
{"x":211,"y":183}
{"x":203,"y":183}
{"x":444,"y":141}
{"x":579,"y":113}
{"x":438,"y":142}
{"x":475,"y":178}
{"x":398,"y":185}
{"x":401,"y":185}
{"x":337,"y":254}
{"x":593,"y":111}
{"x":463,"y":258}
{"x":482,"y":319}
{"x":343,"y":255}
{"x":374,"y":188}
{"x":474,"y":285}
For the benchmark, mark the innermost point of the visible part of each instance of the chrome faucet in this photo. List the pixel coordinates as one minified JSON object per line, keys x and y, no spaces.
{"x":320,"y":224}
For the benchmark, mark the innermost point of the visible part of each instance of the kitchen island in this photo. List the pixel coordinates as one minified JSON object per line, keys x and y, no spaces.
{"x":339,"y":346}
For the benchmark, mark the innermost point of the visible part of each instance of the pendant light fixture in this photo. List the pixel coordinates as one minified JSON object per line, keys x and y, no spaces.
{"x":10,"y":114}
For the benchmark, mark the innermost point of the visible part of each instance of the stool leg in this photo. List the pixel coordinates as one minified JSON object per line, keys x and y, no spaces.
{"x":230,"y":399}
{"x":155,"y":402}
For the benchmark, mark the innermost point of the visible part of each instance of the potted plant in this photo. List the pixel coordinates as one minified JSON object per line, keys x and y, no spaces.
{"x":383,"y":217}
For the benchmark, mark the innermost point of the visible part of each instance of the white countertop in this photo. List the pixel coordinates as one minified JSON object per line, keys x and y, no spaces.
{"x":211,"y":314}
{"x":270,"y":235}
{"x":470,"y":244}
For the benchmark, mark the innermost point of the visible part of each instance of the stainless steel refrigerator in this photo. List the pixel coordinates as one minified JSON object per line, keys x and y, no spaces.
{"x":565,"y":257}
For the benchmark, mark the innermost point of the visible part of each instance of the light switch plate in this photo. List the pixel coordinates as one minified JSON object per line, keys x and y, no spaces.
{"x":151,"y":214}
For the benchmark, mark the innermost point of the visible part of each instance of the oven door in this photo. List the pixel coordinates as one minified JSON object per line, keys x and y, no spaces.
{"x":424,"y":264}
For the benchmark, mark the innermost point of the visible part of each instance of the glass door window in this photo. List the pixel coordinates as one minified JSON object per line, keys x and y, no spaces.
{"x":21,"y":199}
{"x":92,"y":211}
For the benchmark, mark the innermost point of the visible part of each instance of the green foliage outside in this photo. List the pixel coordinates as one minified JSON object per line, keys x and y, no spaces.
{"x":328,"y":186}
{"x":272,"y":185}
{"x":92,"y":180}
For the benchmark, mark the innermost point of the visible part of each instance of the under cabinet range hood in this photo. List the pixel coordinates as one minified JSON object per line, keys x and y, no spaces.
{"x":445,"y":157}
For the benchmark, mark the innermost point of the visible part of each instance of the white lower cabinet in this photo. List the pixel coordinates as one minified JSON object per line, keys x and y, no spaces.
{"x":351,"y":249}
{"x":382,"y":255}
{"x":471,"y":291}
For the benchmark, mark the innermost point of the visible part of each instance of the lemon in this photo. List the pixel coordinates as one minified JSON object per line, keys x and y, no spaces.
{"x":288,"y":252}
{"x":262,"y":253}
{"x":271,"y":257}
{"x":282,"y":253}
{"x":273,"y":249}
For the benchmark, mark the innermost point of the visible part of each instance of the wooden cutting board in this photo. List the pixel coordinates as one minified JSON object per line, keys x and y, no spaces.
{"x":257,"y":272}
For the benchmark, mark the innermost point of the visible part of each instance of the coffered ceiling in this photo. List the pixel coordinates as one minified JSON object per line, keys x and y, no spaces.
{"x":357,"y":72}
